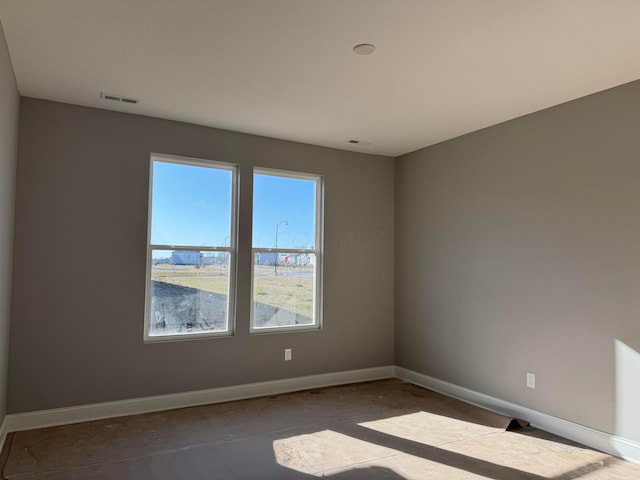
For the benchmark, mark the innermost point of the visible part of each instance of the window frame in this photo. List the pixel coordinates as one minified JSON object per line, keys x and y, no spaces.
{"x":318,"y":251}
{"x":231,"y":249}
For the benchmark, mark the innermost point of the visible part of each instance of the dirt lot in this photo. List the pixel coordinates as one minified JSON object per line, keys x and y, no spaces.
{"x":190,"y":299}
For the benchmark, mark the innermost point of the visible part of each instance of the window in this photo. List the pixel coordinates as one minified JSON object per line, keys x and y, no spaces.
{"x":191,"y":256}
{"x":287,"y":251}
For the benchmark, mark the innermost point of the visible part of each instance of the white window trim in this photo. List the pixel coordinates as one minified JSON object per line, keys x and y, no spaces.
{"x":318,"y":251}
{"x":231,"y":249}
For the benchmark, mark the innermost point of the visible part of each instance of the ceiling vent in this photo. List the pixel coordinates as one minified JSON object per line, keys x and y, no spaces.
{"x":119,"y":98}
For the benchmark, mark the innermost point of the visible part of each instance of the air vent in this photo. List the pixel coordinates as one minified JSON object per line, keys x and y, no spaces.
{"x":118,"y":98}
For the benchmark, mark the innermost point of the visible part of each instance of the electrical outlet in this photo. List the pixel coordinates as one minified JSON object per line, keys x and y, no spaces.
{"x":287,"y":354}
{"x":531,"y":380}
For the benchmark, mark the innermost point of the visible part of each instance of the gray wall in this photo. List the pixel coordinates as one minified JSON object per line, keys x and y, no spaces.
{"x":518,"y":250}
{"x":81,"y":218}
{"x":9,"y":108}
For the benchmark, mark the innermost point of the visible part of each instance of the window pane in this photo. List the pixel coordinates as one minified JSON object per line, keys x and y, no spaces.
{"x":283,"y":289}
{"x":284,"y":212}
{"x":191,"y":205}
{"x":189,"y":292}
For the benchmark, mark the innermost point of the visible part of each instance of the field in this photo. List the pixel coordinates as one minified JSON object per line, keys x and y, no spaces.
{"x":187,"y":296}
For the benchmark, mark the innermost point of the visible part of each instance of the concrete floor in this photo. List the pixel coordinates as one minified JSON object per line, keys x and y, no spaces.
{"x":377,"y":430}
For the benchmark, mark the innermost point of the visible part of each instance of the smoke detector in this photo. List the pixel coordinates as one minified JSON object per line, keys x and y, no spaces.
{"x":364,"y":49}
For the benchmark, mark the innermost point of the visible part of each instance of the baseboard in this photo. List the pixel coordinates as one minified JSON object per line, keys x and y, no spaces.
{"x":611,"y":444}
{"x":84,"y":413}
{"x":605,"y":442}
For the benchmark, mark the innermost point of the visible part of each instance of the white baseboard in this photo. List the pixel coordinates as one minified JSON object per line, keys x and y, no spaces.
{"x":84,"y":413}
{"x":611,"y":444}
{"x":605,"y":442}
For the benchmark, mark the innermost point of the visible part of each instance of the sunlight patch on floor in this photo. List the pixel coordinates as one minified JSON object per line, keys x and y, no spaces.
{"x":428,"y":428}
{"x":325,"y":450}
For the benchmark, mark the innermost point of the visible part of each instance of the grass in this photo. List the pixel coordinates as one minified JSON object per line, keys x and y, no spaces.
{"x":291,"y":289}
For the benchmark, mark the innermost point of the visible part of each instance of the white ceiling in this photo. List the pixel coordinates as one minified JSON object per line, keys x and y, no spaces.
{"x":286,"y":69}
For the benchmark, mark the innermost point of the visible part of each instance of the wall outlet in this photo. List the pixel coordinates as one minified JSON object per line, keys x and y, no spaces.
{"x":287,"y":354}
{"x":531,"y":380}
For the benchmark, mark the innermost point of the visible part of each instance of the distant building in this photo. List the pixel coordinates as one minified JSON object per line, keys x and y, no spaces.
{"x":266,"y":258}
{"x":297,"y":260}
{"x":284,"y":259}
{"x":186,"y":257}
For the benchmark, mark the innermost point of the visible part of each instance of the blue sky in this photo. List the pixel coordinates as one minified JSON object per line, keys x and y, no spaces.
{"x":191,"y":206}
{"x":280,"y":198}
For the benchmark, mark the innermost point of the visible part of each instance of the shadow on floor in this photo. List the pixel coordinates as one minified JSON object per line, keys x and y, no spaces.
{"x":376,"y":430}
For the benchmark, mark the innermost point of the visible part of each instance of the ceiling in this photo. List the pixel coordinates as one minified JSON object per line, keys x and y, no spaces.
{"x":286,"y":68}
